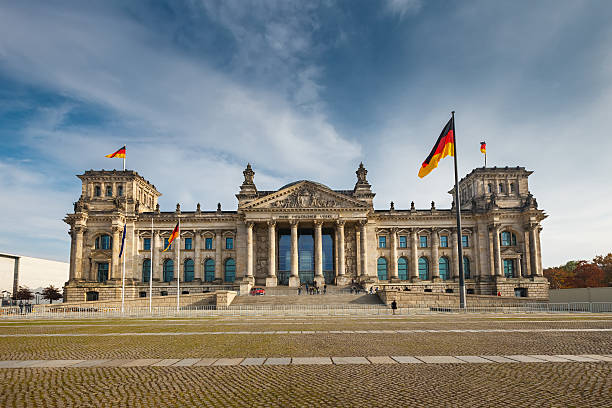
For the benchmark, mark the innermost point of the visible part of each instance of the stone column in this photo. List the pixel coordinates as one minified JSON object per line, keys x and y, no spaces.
{"x":318,"y":242}
{"x":393,"y":261}
{"x":341,"y":279}
{"x":497,"y":263}
{"x":455,"y":254}
{"x":519,"y":273}
{"x":533,"y":250}
{"x":357,"y":251}
{"x":218,"y":256}
{"x":294,"y":278}
{"x":435,"y":257}
{"x":525,"y":255}
{"x":271,"y":278}
{"x":540,"y":271}
{"x":364,"y":249}
{"x":414,"y":258}
{"x":115,"y":265}
{"x":72,"y":253}
{"x":249,"y":269}
{"x":198,"y":267}
{"x":78,"y":253}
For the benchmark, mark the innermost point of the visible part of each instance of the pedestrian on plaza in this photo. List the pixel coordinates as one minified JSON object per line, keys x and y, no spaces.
{"x":351,"y":290}
{"x":325,"y":288}
{"x":498,"y":293}
{"x":20,"y":307}
{"x":394,"y":306}
{"x":299,"y":290}
{"x":371,"y":291}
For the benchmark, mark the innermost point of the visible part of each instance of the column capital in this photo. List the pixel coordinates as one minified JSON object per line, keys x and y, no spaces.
{"x":363,"y":222}
{"x":340,"y":223}
{"x":318,"y":223}
{"x":250,"y":224}
{"x":494,"y":227}
{"x":79,"y":229}
{"x":117,"y":229}
{"x":293,"y":223}
{"x":271,"y":223}
{"x":394,"y":230}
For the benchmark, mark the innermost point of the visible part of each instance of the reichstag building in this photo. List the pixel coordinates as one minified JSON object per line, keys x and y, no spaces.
{"x":305,"y":232}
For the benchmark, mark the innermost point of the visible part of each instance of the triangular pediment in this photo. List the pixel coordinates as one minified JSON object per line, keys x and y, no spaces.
{"x":305,"y":195}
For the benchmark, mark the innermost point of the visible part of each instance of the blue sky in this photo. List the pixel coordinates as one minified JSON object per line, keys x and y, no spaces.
{"x":304,"y":90}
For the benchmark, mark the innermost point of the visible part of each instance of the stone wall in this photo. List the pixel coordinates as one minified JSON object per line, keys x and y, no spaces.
{"x":447,"y":300}
{"x":198,"y":299}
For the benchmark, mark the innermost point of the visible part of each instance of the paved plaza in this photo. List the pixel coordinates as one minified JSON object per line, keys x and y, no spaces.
{"x":436,"y":360}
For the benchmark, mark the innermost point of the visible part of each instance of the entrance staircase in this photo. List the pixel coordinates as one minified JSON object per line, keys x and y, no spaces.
{"x":292,"y":298}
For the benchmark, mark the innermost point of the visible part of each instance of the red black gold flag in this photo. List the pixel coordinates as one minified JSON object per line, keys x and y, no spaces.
{"x":483,"y":147}
{"x":445,"y":146}
{"x":119,"y":153}
{"x":174,"y":235}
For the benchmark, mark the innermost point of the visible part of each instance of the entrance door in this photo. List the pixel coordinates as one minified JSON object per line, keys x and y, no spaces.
{"x":306,"y":256}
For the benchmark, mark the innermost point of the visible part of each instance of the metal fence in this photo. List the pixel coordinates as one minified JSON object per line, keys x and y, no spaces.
{"x":294,"y":310}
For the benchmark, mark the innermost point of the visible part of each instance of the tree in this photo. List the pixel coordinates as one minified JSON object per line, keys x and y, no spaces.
{"x":24,"y":294}
{"x":588,"y":275}
{"x":51,"y":293}
{"x":605,"y":263}
{"x":559,"y":277}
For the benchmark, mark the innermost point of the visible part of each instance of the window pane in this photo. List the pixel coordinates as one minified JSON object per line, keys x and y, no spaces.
{"x":102,"y":271}
{"x":209,"y":270}
{"x":382,"y":268}
{"x":147,"y":244}
{"x":403,"y":241}
{"x":466,"y":268}
{"x":423,"y":269}
{"x":423,"y":241}
{"x":120,"y":191}
{"x":229,"y":243}
{"x":168,"y":270}
{"x":505,"y":238}
{"x":444,"y":241}
{"x":509,"y":268}
{"x":106,"y":241}
{"x":146,"y":270}
{"x":465,"y":241}
{"x":284,"y":253}
{"x":230,"y":270}
{"x":402,"y":269}
{"x":188,"y":243}
{"x":97,"y":191}
{"x":382,"y":242}
{"x":443,"y":267}
{"x":189,"y":270}
{"x":208,"y":243}
{"x":109,"y":191}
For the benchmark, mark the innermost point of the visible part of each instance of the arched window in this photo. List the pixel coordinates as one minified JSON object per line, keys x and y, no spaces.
{"x":402,"y":268}
{"x":104,"y":242}
{"x":97,"y":191}
{"x":423,"y":268}
{"x":230,"y":270}
{"x":209,"y":270}
{"x":501,"y":188}
{"x":466,"y":268}
{"x":146,"y":270}
{"x":168,"y":270}
{"x":382,"y":268}
{"x":443,"y":268}
{"x":188,"y":266}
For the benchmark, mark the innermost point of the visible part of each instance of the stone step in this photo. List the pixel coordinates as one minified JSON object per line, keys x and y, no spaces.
{"x":328,"y":299}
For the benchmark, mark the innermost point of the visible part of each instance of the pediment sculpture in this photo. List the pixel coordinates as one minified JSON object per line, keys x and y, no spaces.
{"x":307,"y":197}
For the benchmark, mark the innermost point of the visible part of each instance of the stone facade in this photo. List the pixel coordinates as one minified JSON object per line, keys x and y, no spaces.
{"x":302,"y":233}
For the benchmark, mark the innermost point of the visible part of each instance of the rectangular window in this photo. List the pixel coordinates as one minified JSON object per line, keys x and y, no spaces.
{"x":509,"y":268}
{"x":423,"y":241}
{"x":109,"y":191}
{"x":382,"y":242}
{"x":444,"y":241}
{"x":146,"y":245}
{"x":120,"y":190}
{"x":208,"y":243}
{"x":403,"y":242}
{"x":229,"y":243}
{"x":465,"y":241}
{"x":188,"y":243}
{"x":166,"y":244}
{"x":97,"y":191}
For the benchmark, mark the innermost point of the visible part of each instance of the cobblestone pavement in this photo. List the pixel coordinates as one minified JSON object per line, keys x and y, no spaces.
{"x":376,"y":385}
{"x":409,"y":361}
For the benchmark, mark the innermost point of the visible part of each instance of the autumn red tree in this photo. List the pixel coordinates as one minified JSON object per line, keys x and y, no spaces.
{"x":605,"y":263}
{"x":588,"y":275}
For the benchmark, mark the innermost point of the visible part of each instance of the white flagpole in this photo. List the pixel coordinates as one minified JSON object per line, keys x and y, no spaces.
{"x":178,"y":269}
{"x":124,"y":156}
{"x":151,"y":271}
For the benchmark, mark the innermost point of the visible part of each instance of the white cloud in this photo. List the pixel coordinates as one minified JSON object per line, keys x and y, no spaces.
{"x":403,"y":7}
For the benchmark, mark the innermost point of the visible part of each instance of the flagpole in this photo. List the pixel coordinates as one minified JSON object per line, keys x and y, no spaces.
{"x":459,"y":231}
{"x":178,"y":268}
{"x":151,"y":271}
{"x":123,"y":276}
{"x":124,"y":156}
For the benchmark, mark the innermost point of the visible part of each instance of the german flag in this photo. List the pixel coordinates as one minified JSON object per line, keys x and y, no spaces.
{"x":119,"y":154}
{"x":172,"y":236}
{"x":483,"y":147}
{"x":445,"y":146}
